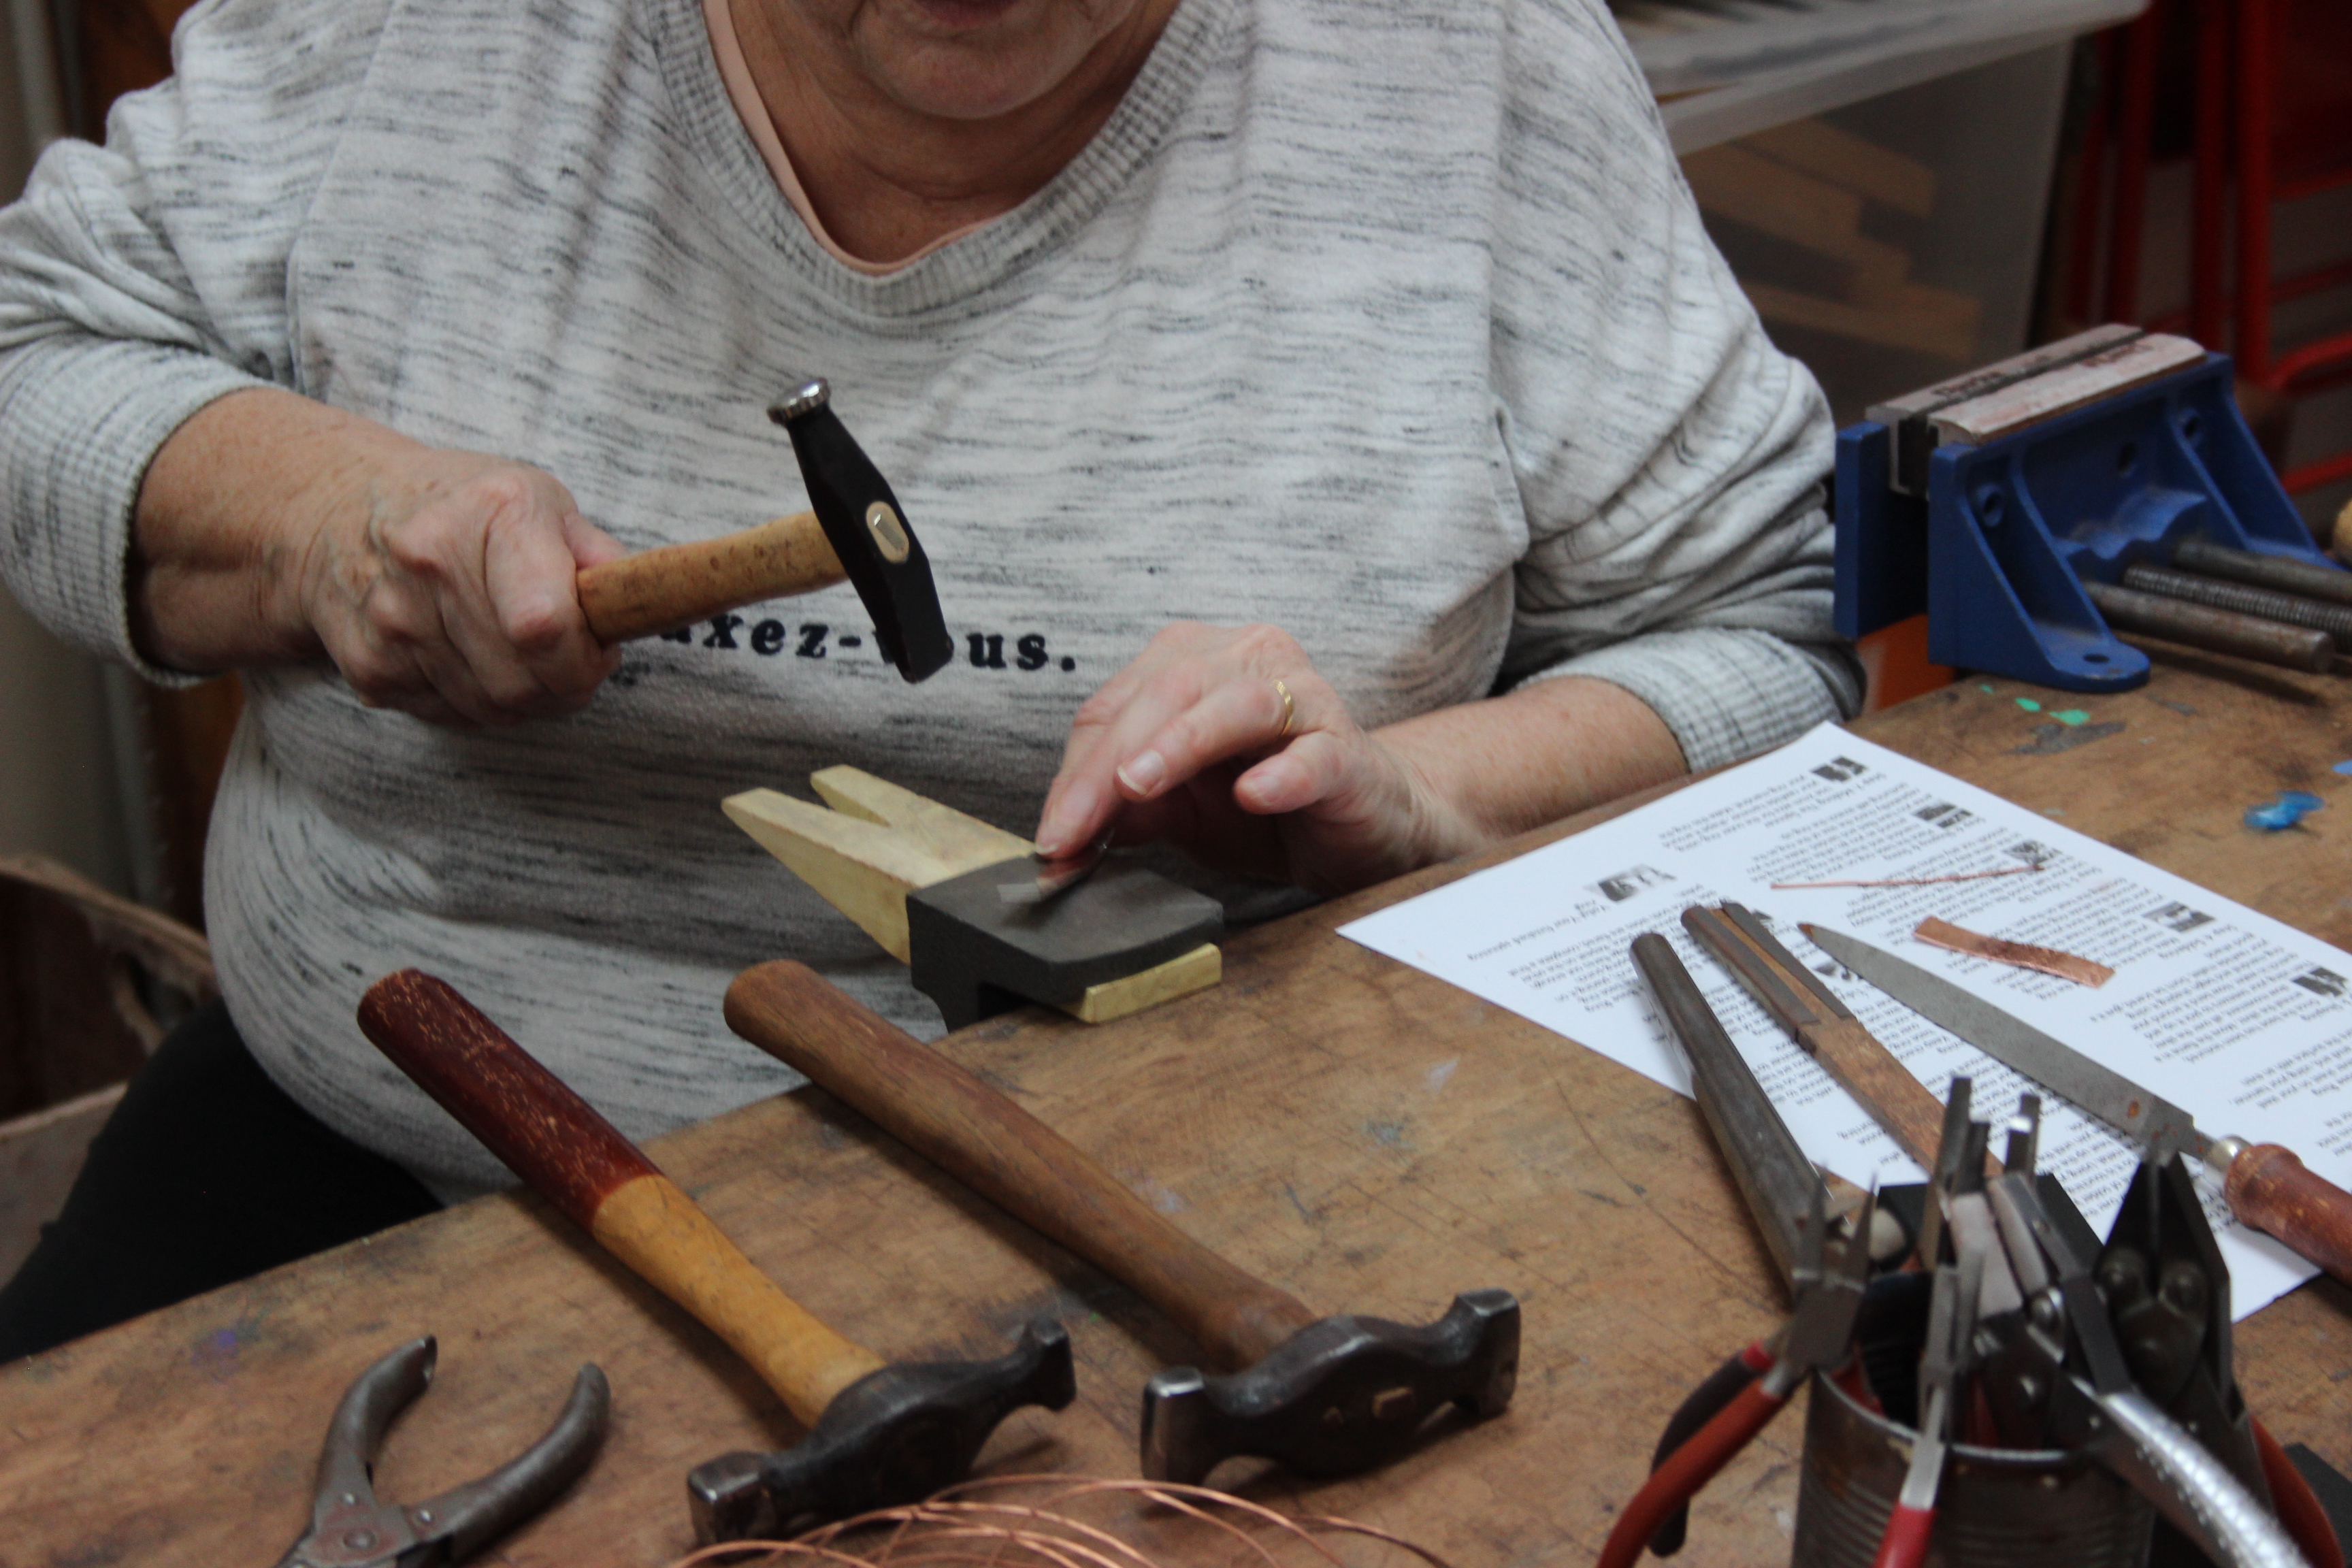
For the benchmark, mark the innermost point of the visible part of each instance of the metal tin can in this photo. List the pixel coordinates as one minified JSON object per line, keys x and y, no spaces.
{"x":1998,"y":1508}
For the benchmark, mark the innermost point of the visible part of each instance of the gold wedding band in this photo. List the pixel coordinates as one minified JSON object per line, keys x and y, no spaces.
{"x":1290,"y":709}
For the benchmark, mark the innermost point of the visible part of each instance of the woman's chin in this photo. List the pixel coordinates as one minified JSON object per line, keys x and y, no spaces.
{"x":949,"y":83}
{"x":953,"y":16}
{"x":974,"y":59}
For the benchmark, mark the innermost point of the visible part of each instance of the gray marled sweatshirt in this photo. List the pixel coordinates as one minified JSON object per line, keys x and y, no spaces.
{"x":1391,"y":325}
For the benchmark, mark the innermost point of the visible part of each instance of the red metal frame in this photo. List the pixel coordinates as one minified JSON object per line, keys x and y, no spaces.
{"x":2135,"y":125}
{"x":2311,"y":476}
{"x":2089,"y":194}
{"x":2210,"y":215}
{"x":2318,"y":280}
{"x":2274,"y":122}
{"x":2255,"y":69}
{"x":2259,"y":37}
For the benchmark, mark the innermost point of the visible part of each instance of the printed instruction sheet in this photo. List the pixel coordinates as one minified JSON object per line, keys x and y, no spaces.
{"x":2227,"y":1011}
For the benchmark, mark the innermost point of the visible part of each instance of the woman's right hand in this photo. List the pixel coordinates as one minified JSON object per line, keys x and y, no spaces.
{"x":440,"y":583}
{"x":452,"y":597}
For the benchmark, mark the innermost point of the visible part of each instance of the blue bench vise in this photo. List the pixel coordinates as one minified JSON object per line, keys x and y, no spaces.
{"x":2000,"y":503}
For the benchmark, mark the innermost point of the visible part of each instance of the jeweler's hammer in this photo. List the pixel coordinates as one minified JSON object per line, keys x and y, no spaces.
{"x":1326,"y":1397}
{"x":880,"y":1435}
{"x":856,"y":531}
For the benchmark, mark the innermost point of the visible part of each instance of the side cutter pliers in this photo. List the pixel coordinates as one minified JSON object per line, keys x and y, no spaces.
{"x":351,"y":1528}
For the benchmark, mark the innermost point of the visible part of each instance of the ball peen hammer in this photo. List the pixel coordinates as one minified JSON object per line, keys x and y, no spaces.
{"x":1324,"y":1395}
{"x":856,"y":531}
{"x":878,"y":1434}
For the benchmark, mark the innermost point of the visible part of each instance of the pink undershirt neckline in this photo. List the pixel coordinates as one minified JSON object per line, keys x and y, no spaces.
{"x":736,"y":72}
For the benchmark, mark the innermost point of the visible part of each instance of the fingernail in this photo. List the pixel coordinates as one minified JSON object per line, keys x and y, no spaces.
{"x":1144,"y":772}
{"x":1061,"y":826}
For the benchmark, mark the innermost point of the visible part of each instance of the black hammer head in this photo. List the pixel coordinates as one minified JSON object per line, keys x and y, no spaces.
{"x":869,"y":532}
{"x":1338,"y":1396}
{"x":976,"y":955}
{"x":894,"y":1437}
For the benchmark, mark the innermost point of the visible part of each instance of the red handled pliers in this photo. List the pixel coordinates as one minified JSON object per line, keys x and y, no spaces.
{"x":1829,"y":1281}
{"x":1944,"y":1362}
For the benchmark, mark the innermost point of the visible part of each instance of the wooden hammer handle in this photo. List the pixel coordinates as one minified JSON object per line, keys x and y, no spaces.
{"x":980,"y":1136}
{"x":661,"y":590}
{"x":2272,"y":1191}
{"x":579,"y":1162}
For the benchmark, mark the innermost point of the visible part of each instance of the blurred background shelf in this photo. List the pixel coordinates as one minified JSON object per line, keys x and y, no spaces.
{"x":1723,"y":68}
{"x":1889,"y":224}
{"x":1908,"y":187}
{"x":2208,"y":190}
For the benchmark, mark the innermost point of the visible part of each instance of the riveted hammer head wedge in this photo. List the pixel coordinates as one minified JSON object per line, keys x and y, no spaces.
{"x":1345,"y":1394}
{"x":868,"y":531}
{"x":894,"y":1437}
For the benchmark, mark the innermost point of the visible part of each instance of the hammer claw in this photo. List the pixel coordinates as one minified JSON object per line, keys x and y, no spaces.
{"x":1341,"y":1396}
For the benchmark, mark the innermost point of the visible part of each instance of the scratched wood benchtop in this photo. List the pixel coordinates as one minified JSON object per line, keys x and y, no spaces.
{"x":1368,"y":1136}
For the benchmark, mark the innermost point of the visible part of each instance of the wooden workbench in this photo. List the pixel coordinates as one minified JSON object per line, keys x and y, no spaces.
{"x":1370,"y":1137}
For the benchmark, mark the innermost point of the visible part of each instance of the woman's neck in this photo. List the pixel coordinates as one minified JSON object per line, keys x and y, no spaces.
{"x":888,"y":177}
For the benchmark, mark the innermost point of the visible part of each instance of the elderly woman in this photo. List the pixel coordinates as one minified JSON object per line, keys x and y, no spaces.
{"x":1338,"y":444}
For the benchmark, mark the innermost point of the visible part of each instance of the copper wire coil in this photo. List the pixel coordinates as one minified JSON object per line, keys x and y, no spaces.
{"x":977,"y":1524}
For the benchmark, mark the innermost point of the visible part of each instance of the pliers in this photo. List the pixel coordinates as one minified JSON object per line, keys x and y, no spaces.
{"x":2093,"y":1401}
{"x":1829,"y":1279}
{"x":1788,"y":1198}
{"x":351,"y":1528}
{"x":1701,"y":1405}
{"x":1951,"y":1337}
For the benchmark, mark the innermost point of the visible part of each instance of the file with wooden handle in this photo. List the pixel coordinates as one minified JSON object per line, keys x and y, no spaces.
{"x":2267,"y":1185}
{"x":1824,"y":1026}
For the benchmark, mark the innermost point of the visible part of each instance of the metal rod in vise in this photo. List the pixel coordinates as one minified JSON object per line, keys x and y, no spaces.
{"x":2216,"y":631}
{"x":2289,"y":609}
{"x":2331,"y":583}
{"x":1773,"y":1173}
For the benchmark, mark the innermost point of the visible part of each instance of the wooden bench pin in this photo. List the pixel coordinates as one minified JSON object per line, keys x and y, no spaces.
{"x":938,"y":889}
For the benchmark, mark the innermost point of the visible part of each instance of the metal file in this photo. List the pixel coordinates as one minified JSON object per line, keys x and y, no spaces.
{"x":2146,"y":1119}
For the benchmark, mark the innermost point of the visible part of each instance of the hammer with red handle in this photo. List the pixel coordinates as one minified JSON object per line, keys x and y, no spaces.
{"x":856,"y":531}
{"x":878,"y":1434}
{"x":1324,"y":1395}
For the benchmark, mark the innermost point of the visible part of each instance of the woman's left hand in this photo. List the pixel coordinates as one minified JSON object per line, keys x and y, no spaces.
{"x":1225,"y":741}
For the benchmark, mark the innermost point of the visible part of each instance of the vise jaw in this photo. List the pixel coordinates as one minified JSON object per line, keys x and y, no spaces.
{"x":1989,"y":502}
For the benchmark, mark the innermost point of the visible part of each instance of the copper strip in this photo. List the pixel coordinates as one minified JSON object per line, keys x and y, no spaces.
{"x":2023,"y":955}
